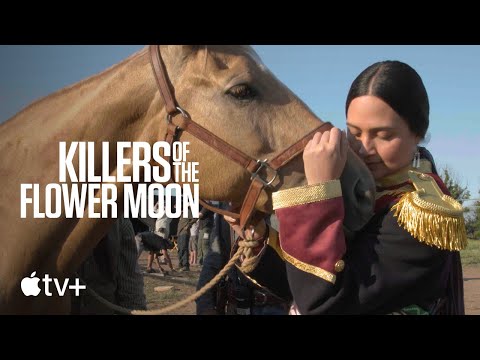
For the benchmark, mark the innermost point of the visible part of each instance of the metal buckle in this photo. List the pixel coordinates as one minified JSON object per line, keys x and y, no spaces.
{"x":256,"y":175}
{"x":181,"y":111}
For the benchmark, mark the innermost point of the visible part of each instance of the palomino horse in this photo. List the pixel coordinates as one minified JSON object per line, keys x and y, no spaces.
{"x":225,"y":89}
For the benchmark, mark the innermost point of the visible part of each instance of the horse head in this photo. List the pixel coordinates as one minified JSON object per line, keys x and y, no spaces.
{"x":231,"y":93}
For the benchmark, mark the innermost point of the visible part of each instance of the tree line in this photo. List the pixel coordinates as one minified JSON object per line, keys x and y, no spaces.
{"x":461,"y":194}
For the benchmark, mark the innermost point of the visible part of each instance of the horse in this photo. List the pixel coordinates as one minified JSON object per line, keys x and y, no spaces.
{"x":225,"y":89}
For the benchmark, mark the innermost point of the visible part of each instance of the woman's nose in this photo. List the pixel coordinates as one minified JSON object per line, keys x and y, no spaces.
{"x":366,"y":147}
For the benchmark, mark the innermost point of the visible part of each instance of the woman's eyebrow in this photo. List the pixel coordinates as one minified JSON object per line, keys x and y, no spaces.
{"x":376,"y":129}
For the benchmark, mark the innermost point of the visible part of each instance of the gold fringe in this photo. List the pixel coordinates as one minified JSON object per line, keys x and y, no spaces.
{"x":435,"y":228}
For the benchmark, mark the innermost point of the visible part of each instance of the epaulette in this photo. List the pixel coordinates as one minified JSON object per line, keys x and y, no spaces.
{"x":430,"y":216}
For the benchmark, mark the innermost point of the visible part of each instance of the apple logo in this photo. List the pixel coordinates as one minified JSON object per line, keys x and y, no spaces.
{"x":30,"y":285}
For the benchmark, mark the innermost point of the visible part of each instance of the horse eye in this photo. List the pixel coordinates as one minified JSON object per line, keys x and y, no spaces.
{"x":242,"y":92}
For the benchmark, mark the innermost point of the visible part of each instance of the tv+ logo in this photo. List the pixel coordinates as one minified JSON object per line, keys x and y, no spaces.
{"x":30,"y":285}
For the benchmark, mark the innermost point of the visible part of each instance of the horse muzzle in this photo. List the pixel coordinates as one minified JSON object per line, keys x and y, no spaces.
{"x":358,"y":189}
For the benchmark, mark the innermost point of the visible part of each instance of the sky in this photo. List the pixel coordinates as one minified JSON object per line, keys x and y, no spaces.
{"x":319,"y":74}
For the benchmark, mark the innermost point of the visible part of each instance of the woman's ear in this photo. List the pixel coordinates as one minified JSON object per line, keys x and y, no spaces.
{"x":418,"y":139}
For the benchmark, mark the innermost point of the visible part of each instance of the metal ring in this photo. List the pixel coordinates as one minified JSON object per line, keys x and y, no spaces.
{"x":265,"y":164}
{"x":181,"y":111}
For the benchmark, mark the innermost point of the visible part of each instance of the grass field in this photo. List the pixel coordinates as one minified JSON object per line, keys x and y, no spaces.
{"x":471,"y":255}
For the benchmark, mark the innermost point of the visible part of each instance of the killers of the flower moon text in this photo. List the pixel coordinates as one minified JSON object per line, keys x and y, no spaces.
{"x":82,"y":192}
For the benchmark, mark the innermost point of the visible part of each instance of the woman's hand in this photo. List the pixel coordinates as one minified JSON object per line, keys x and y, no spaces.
{"x":259,"y":229}
{"x":325,"y":156}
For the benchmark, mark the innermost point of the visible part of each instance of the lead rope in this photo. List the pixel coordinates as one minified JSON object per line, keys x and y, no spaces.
{"x":244,"y":248}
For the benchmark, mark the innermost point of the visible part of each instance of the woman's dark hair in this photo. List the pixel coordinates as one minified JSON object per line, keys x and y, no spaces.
{"x":400,"y":86}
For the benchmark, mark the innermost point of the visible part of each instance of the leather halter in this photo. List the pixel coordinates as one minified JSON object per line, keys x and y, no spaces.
{"x":253,"y":166}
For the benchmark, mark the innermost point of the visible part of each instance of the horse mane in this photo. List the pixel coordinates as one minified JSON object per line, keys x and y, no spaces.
{"x":93,"y":77}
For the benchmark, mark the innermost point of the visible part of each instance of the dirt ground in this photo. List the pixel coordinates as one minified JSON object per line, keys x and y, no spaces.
{"x":471,"y":283}
{"x":179,"y":285}
{"x":174,"y":286}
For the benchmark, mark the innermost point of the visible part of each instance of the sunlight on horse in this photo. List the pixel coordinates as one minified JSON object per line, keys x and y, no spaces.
{"x":226,"y":89}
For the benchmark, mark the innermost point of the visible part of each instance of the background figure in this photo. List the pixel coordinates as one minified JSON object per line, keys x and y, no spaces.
{"x":183,"y":238}
{"x":204,"y":234}
{"x":156,"y":244}
{"x":163,"y":222}
{"x":193,"y":244}
{"x":162,"y":232}
{"x":111,"y":271}
{"x":237,"y":294}
{"x":213,"y":302}
{"x":173,"y":224}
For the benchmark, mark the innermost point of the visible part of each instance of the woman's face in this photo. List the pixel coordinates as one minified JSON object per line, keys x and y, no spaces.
{"x":380,"y":136}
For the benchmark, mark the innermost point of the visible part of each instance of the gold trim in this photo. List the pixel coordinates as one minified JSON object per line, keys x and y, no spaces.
{"x":429,"y":196}
{"x":430,"y":216}
{"x":319,"y":272}
{"x":274,"y":242}
{"x":255,"y":282}
{"x":402,"y":175}
{"x":306,"y":194}
{"x":395,"y":192}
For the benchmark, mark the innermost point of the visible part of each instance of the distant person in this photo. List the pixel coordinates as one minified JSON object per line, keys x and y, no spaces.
{"x":193,"y":243}
{"x":156,"y":244}
{"x":205,"y":227}
{"x":163,"y":222}
{"x":183,"y":239}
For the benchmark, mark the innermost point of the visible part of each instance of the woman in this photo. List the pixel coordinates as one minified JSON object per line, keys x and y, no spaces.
{"x":406,"y":259}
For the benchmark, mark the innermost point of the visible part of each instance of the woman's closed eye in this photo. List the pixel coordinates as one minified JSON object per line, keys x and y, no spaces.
{"x":355,"y":134}
{"x":385,"y":135}
{"x":353,"y":140}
